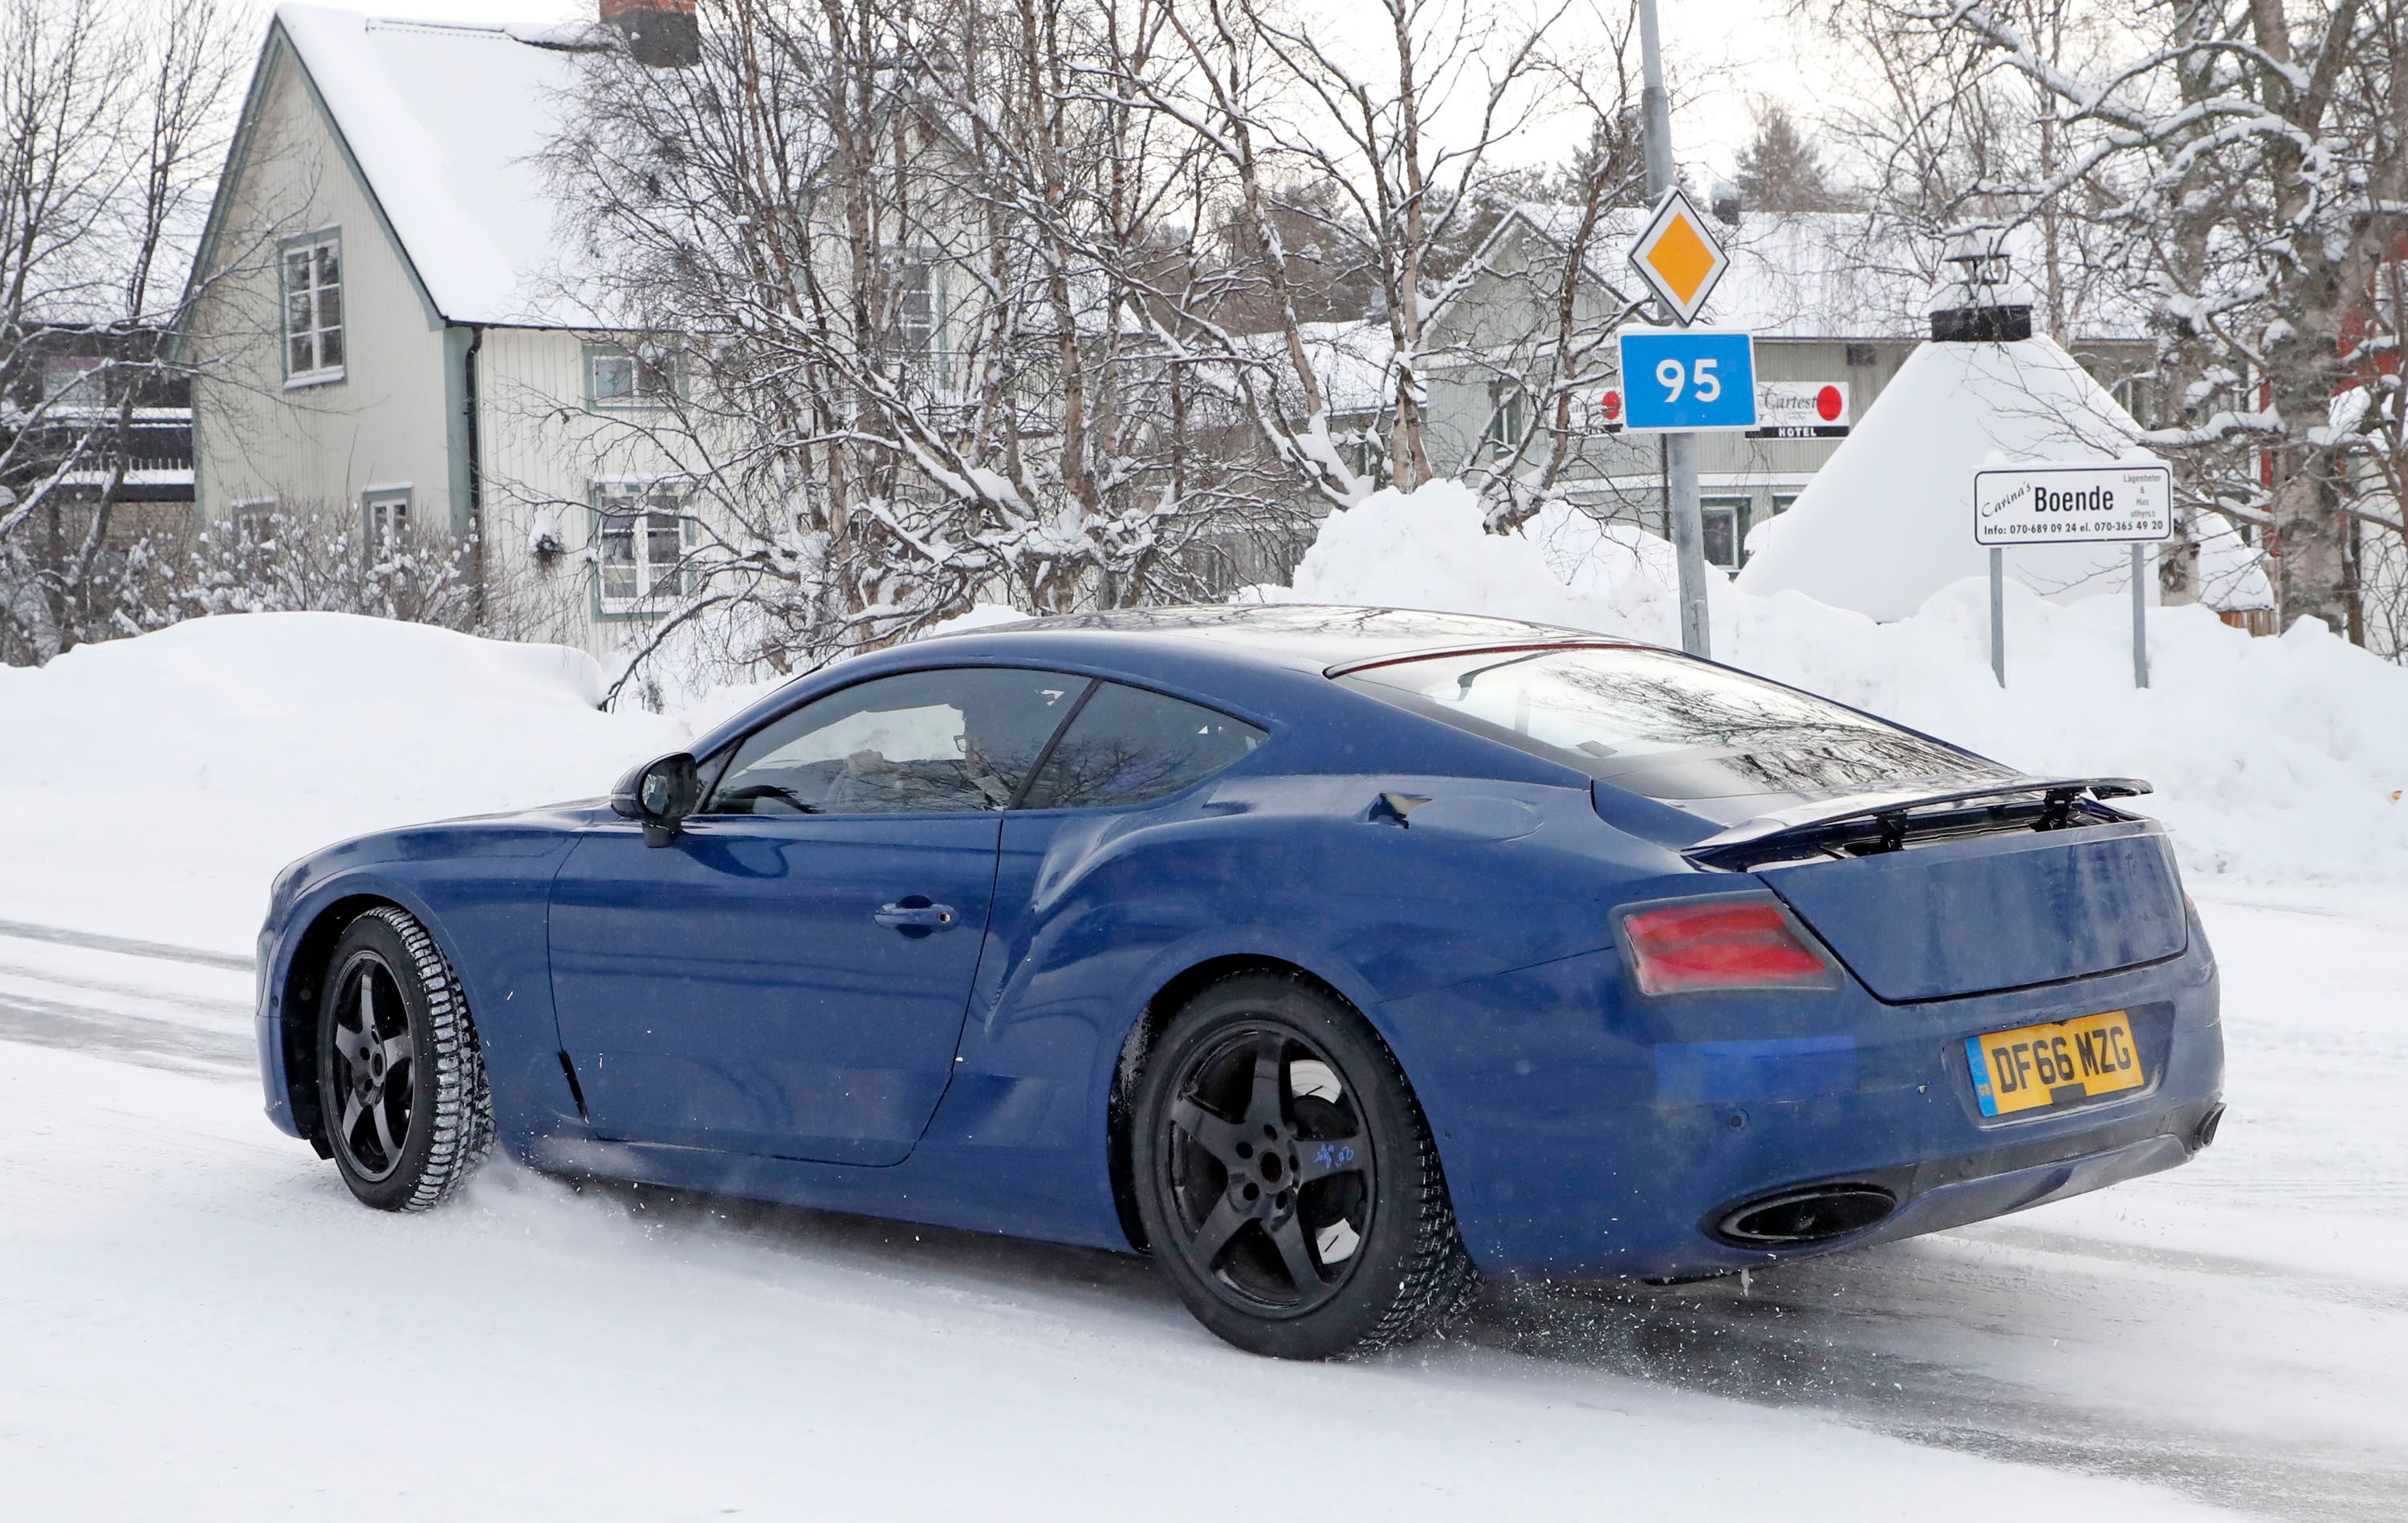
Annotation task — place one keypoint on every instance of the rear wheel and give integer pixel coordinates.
(1286, 1179)
(401, 1083)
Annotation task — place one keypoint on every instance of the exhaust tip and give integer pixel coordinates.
(1813, 1214)
(2207, 1126)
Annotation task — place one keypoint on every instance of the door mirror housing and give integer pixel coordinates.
(660, 793)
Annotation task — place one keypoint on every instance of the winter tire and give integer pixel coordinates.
(401, 1083)
(1286, 1179)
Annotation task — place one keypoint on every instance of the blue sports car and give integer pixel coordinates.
(1331, 956)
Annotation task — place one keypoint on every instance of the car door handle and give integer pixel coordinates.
(915, 915)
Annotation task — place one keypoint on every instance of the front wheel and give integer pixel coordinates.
(401, 1083)
(1286, 1179)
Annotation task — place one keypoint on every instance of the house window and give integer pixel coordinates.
(2132, 394)
(1726, 529)
(915, 307)
(387, 512)
(254, 519)
(1364, 452)
(1860, 355)
(1508, 421)
(618, 378)
(72, 377)
(640, 536)
(313, 310)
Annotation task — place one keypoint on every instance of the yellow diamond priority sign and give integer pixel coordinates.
(1678, 256)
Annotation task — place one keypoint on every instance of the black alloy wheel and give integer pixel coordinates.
(1286, 1179)
(374, 1067)
(1270, 1171)
(401, 1082)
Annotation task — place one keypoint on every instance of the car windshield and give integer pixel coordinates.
(1664, 725)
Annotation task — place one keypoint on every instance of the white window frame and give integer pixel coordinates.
(1741, 509)
(1508, 421)
(643, 504)
(317, 295)
(919, 306)
(386, 518)
(651, 381)
(250, 518)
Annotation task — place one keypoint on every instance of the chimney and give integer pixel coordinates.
(661, 34)
(1726, 203)
(1982, 311)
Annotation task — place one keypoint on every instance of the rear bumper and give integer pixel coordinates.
(1952, 1192)
(1982, 1197)
(1586, 1133)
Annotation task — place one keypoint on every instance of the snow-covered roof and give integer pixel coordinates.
(1352, 360)
(446, 122)
(1812, 275)
(1355, 363)
(1888, 521)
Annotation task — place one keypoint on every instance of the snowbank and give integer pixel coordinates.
(1885, 525)
(155, 785)
(2275, 759)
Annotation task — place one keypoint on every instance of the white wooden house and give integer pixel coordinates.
(387, 324)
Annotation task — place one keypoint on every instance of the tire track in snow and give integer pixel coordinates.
(1868, 1343)
(126, 945)
(134, 1039)
(123, 1017)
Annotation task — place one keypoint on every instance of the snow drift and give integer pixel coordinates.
(1885, 523)
(156, 784)
(2275, 759)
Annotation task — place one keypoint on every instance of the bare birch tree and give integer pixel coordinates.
(2244, 157)
(916, 260)
(114, 127)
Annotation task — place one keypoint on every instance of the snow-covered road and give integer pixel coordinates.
(195, 1321)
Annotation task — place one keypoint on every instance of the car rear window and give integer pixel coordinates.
(1664, 725)
(1126, 745)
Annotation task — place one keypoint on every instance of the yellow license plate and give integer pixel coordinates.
(2036, 1066)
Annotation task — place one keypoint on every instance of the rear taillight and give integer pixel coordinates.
(1722, 944)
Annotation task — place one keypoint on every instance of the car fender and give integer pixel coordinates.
(485, 910)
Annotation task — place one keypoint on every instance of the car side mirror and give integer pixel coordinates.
(661, 793)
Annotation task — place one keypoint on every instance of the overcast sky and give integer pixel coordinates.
(1723, 54)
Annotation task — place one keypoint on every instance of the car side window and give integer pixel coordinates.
(952, 739)
(1128, 746)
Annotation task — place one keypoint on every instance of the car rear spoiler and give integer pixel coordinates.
(1867, 823)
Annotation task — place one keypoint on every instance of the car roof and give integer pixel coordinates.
(1322, 637)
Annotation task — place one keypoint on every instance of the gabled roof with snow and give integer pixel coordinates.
(1805, 275)
(445, 123)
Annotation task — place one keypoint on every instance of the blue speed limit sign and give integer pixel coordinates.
(1688, 381)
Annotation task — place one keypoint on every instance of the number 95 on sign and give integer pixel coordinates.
(1688, 381)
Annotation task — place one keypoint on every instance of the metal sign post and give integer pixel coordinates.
(1680, 449)
(1999, 615)
(2111, 503)
(2140, 620)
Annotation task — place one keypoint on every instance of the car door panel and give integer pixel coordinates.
(741, 990)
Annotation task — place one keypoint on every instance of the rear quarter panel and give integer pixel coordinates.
(1096, 912)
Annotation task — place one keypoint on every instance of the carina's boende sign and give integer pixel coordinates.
(2073, 505)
